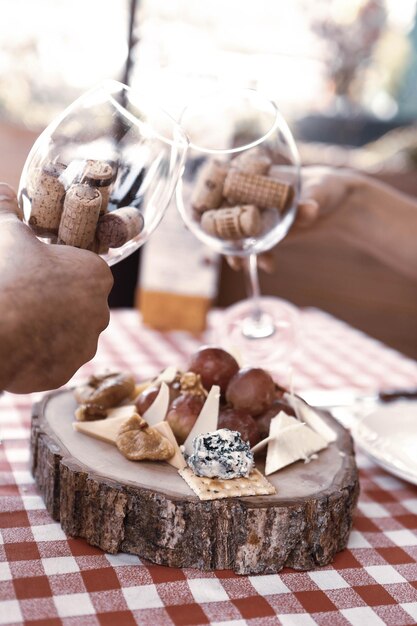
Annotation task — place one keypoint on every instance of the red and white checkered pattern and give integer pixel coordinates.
(48, 579)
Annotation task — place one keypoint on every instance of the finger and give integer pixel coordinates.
(8, 201)
(266, 262)
(308, 211)
(235, 262)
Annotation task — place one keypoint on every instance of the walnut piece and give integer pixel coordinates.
(138, 442)
(191, 383)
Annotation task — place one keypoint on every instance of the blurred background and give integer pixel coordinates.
(344, 73)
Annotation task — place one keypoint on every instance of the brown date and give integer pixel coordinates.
(215, 366)
(242, 421)
(183, 413)
(251, 389)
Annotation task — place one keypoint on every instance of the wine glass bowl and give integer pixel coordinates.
(241, 183)
(102, 174)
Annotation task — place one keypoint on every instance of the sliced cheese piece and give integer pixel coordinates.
(166, 376)
(104, 430)
(292, 441)
(261, 445)
(177, 460)
(159, 407)
(307, 414)
(126, 411)
(207, 420)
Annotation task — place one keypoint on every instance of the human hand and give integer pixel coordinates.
(324, 189)
(53, 301)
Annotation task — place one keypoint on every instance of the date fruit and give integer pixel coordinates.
(251, 389)
(215, 366)
(242, 421)
(182, 414)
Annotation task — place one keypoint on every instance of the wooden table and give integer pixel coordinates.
(49, 579)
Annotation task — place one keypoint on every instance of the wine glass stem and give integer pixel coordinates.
(252, 285)
(259, 324)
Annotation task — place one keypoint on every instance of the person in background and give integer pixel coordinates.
(53, 305)
(358, 210)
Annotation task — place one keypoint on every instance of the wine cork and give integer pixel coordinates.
(97, 247)
(99, 174)
(255, 189)
(118, 227)
(208, 191)
(47, 200)
(232, 223)
(80, 216)
(252, 162)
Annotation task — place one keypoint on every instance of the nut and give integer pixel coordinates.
(138, 442)
(191, 383)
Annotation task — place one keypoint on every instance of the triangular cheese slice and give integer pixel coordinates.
(126, 411)
(177, 460)
(292, 441)
(104, 430)
(307, 414)
(167, 375)
(159, 407)
(207, 420)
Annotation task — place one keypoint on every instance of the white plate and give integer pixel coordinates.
(389, 436)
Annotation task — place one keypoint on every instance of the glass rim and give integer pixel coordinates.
(110, 85)
(278, 121)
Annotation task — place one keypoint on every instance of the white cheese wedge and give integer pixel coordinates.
(126, 411)
(167, 375)
(307, 414)
(207, 420)
(291, 441)
(159, 407)
(104, 430)
(177, 460)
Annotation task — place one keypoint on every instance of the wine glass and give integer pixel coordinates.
(239, 194)
(102, 173)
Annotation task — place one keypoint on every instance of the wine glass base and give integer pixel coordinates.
(259, 327)
(271, 351)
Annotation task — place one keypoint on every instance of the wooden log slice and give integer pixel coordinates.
(147, 509)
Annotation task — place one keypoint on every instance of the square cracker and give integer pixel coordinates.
(214, 488)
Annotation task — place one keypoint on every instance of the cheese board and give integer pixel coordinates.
(146, 508)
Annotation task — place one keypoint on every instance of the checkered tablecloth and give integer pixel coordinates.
(49, 579)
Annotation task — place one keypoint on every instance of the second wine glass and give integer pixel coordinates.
(240, 187)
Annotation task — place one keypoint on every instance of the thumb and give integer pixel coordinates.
(8, 202)
(308, 211)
